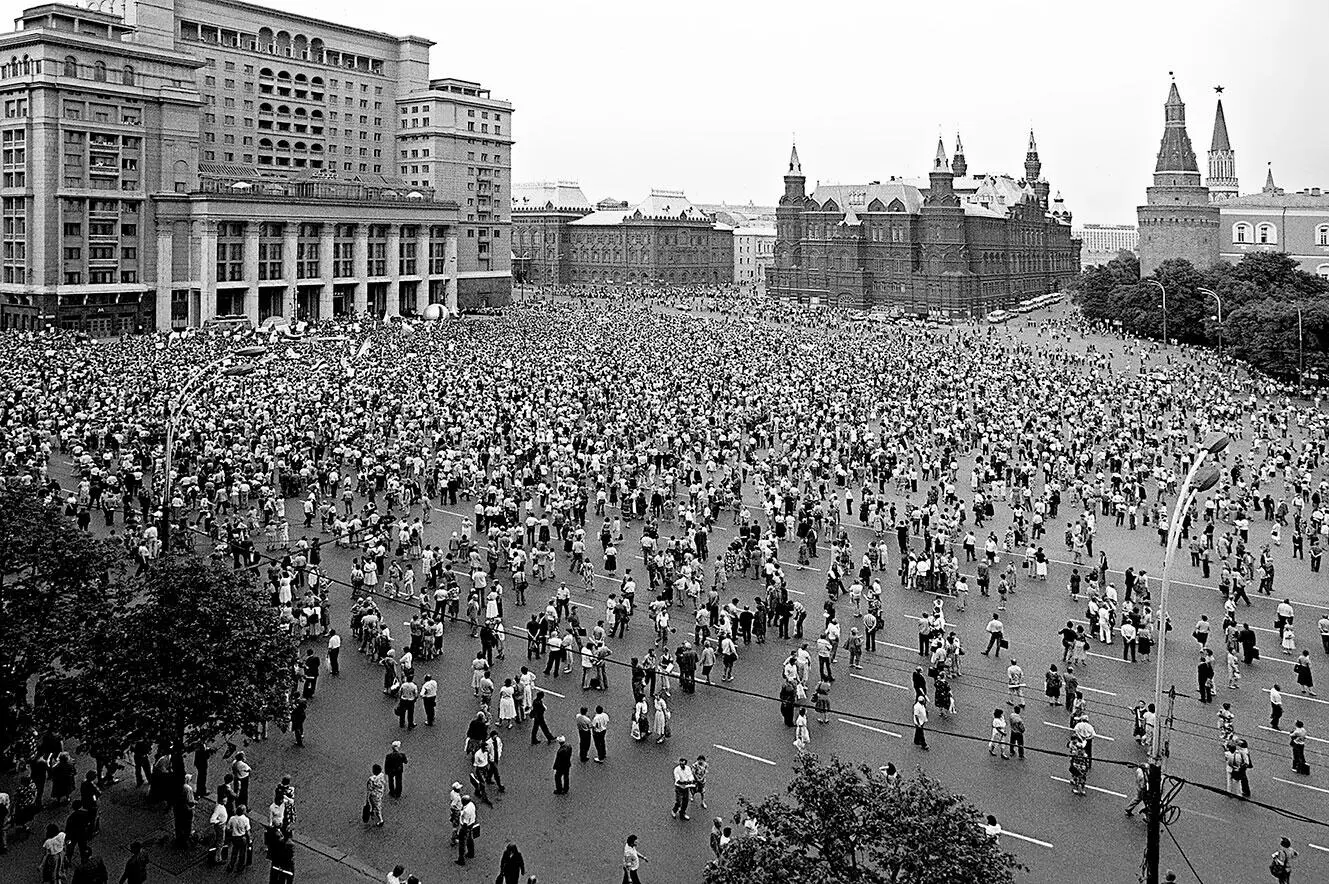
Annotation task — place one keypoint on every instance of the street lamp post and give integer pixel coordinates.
(1301, 355)
(1164, 291)
(1213, 294)
(208, 374)
(1201, 477)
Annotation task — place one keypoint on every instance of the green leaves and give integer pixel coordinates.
(846, 825)
(192, 652)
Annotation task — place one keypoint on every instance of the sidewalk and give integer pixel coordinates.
(125, 818)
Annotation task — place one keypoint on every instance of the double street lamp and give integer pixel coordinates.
(1202, 476)
(1213, 294)
(1164, 291)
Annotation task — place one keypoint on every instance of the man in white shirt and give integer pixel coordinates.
(920, 721)
(429, 694)
(684, 782)
(631, 861)
(466, 831)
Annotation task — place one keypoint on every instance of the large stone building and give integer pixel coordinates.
(201, 158)
(558, 238)
(958, 244)
(1100, 243)
(1178, 219)
(1206, 224)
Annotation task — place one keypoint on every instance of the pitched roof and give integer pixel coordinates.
(1220, 141)
(860, 196)
(536, 195)
(668, 204)
(1175, 153)
(601, 218)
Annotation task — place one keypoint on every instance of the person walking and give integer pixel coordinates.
(511, 866)
(1298, 743)
(1141, 791)
(1275, 706)
(1305, 678)
(998, 738)
(701, 768)
(562, 766)
(996, 635)
(920, 721)
(375, 786)
(684, 782)
(1280, 864)
(394, 765)
(407, 694)
(429, 696)
(299, 712)
(632, 860)
(538, 723)
(583, 735)
(1015, 723)
(801, 735)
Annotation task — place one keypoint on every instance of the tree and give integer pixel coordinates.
(53, 581)
(847, 825)
(191, 652)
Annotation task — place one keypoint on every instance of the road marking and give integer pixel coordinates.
(1097, 691)
(1301, 697)
(1027, 838)
(1265, 727)
(1106, 657)
(1095, 788)
(1065, 728)
(1218, 819)
(724, 748)
(900, 647)
(868, 727)
(547, 691)
(888, 684)
(1316, 846)
(1302, 785)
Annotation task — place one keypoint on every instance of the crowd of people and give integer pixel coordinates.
(547, 478)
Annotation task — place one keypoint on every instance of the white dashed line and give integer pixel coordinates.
(868, 727)
(724, 748)
(888, 684)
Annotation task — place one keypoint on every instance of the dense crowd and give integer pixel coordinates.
(689, 462)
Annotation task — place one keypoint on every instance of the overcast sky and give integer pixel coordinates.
(703, 95)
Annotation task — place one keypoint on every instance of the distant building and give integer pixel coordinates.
(754, 252)
(749, 215)
(1100, 243)
(664, 239)
(957, 243)
(1178, 219)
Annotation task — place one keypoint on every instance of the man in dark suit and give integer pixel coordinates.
(562, 765)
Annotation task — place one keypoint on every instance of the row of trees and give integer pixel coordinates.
(843, 824)
(189, 652)
(1261, 295)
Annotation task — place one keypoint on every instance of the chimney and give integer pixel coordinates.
(1315, 191)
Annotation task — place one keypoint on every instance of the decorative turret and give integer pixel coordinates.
(1178, 219)
(794, 182)
(1269, 186)
(958, 165)
(1033, 168)
(1222, 180)
(942, 178)
(1059, 210)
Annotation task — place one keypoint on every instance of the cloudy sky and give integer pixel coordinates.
(703, 95)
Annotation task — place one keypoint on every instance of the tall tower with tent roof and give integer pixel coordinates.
(1222, 180)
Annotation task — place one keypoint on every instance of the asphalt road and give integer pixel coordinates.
(1057, 835)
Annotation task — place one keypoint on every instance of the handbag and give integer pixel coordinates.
(475, 830)
(364, 813)
(1276, 867)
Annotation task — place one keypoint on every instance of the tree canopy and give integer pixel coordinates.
(1260, 294)
(190, 652)
(845, 824)
(54, 582)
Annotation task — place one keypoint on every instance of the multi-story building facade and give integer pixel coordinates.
(1178, 219)
(1100, 243)
(959, 244)
(664, 239)
(541, 238)
(754, 252)
(1274, 221)
(457, 139)
(201, 158)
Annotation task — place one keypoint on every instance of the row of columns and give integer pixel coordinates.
(203, 251)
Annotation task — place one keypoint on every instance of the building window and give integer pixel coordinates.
(1322, 235)
(127, 75)
(71, 66)
(99, 72)
(1322, 271)
(1266, 234)
(1241, 232)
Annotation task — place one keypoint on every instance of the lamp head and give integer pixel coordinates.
(240, 370)
(249, 352)
(1206, 478)
(1215, 442)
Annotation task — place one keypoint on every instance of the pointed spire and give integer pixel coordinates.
(959, 148)
(941, 162)
(794, 167)
(1175, 154)
(1033, 145)
(1220, 140)
(1269, 186)
(958, 164)
(1173, 96)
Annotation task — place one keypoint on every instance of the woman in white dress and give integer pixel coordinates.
(507, 704)
(801, 736)
(661, 724)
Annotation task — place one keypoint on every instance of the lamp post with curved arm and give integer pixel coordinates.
(1213, 294)
(1201, 477)
(1164, 291)
(208, 374)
